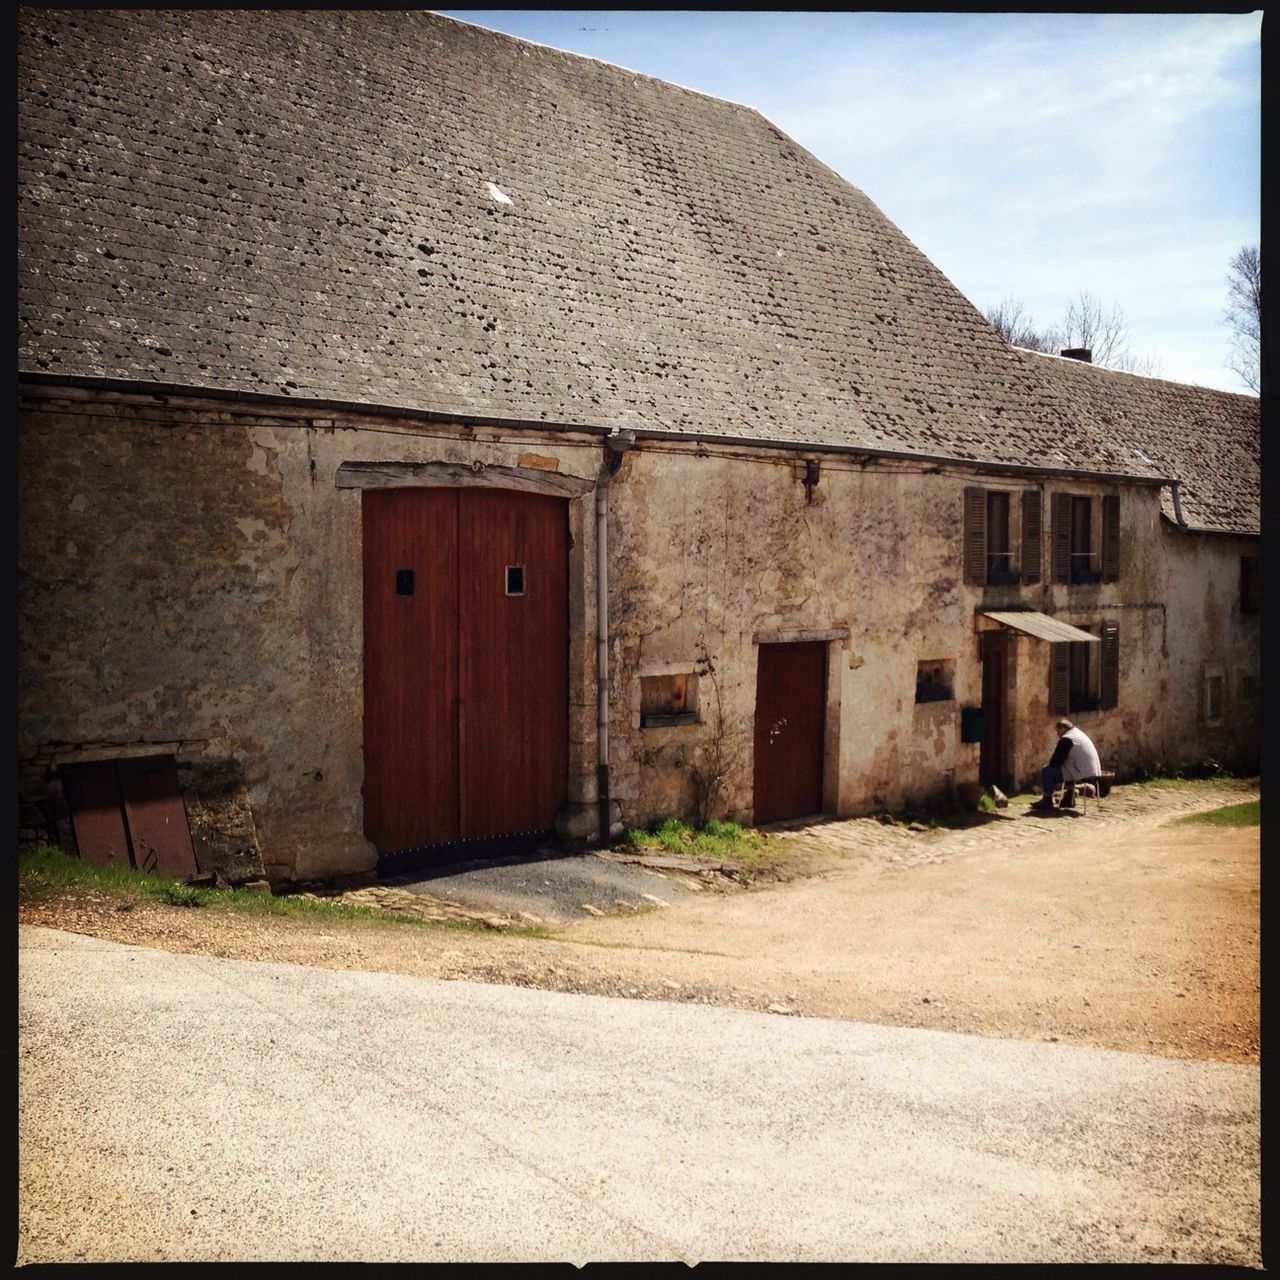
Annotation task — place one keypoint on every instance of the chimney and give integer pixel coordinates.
(1078, 353)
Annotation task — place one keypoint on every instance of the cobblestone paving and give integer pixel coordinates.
(1014, 827)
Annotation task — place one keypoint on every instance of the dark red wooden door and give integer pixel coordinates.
(791, 697)
(410, 667)
(513, 604)
(466, 664)
(993, 760)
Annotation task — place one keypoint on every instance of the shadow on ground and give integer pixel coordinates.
(551, 885)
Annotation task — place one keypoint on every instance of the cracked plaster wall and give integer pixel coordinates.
(190, 575)
(193, 576)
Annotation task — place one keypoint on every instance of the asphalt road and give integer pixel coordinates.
(177, 1107)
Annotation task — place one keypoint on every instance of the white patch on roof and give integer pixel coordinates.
(1144, 457)
(497, 193)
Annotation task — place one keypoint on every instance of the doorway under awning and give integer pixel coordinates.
(1040, 625)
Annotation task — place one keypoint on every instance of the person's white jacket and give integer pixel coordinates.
(1082, 760)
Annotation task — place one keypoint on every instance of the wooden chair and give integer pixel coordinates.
(1095, 788)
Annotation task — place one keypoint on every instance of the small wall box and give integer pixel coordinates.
(973, 724)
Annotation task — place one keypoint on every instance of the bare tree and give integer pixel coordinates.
(1244, 314)
(1017, 327)
(1086, 323)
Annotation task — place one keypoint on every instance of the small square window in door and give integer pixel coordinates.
(515, 579)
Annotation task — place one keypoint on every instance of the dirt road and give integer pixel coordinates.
(1115, 929)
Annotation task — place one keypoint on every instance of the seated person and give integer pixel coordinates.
(1074, 758)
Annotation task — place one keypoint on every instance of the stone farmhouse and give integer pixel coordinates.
(429, 437)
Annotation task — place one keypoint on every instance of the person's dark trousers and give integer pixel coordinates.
(1050, 776)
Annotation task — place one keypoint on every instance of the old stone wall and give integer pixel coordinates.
(712, 553)
(190, 574)
(1209, 635)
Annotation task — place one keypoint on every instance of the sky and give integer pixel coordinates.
(1029, 156)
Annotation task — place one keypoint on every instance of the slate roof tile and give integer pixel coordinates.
(1210, 440)
(313, 187)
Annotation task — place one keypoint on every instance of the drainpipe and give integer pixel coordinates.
(1174, 486)
(616, 444)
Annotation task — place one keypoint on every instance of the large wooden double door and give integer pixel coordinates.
(466, 643)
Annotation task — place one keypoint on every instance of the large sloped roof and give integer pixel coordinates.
(1209, 440)
(400, 209)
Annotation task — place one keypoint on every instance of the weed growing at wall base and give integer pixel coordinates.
(713, 839)
(46, 871)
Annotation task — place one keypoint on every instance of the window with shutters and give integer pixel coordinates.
(994, 525)
(1084, 676)
(1085, 548)
(1082, 540)
(999, 558)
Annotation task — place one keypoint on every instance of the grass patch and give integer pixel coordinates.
(46, 871)
(1246, 814)
(714, 839)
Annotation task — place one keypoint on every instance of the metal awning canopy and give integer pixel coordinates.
(1039, 625)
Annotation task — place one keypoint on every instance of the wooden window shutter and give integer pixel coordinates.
(1059, 679)
(1110, 682)
(1111, 538)
(1061, 514)
(975, 535)
(1031, 531)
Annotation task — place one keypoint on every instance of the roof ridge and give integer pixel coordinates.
(603, 62)
(1134, 373)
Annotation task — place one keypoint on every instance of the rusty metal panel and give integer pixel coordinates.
(791, 695)
(410, 561)
(513, 683)
(97, 817)
(156, 815)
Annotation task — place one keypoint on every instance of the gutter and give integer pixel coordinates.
(1175, 487)
(867, 452)
(616, 444)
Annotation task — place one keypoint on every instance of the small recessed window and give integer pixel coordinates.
(1215, 688)
(515, 579)
(934, 680)
(404, 582)
(668, 700)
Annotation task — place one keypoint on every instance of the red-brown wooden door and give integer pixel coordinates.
(993, 755)
(791, 697)
(466, 664)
